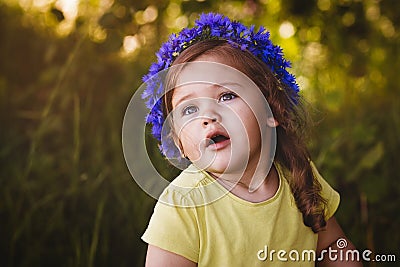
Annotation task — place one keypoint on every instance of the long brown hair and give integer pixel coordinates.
(291, 151)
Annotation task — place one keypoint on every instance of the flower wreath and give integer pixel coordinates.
(211, 26)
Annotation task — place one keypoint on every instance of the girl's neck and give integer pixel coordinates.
(266, 186)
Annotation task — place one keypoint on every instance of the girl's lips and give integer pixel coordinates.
(217, 139)
(219, 145)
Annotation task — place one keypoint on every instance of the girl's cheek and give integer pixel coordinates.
(189, 143)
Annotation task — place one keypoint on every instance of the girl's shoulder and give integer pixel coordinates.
(327, 192)
(191, 177)
(191, 188)
(331, 196)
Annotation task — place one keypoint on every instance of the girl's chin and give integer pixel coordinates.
(221, 162)
(217, 165)
(213, 168)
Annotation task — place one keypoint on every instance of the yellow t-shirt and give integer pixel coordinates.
(231, 231)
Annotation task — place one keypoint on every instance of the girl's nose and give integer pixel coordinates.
(206, 121)
(210, 113)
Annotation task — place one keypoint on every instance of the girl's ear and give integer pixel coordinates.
(271, 122)
(178, 144)
(174, 136)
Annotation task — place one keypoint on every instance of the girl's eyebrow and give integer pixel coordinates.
(219, 85)
(183, 98)
(227, 84)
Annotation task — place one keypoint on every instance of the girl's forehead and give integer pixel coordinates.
(211, 72)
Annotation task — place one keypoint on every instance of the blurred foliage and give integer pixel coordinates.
(69, 68)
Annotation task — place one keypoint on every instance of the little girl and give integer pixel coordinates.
(251, 196)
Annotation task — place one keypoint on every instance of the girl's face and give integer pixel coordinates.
(219, 117)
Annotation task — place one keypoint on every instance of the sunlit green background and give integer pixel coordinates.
(69, 67)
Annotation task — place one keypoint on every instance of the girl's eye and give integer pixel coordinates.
(189, 110)
(227, 97)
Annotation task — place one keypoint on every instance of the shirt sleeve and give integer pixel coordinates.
(331, 196)
(174, 229)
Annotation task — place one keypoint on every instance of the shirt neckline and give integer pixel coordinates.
(246, 202)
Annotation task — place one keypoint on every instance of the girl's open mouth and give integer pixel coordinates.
(218, 141)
